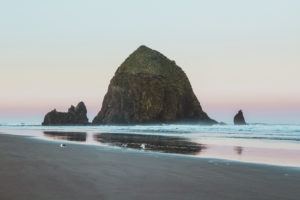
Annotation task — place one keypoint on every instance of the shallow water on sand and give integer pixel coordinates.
(261, 143)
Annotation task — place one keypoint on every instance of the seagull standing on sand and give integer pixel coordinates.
(62, 145)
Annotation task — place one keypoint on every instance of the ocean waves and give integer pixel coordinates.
(253, 131)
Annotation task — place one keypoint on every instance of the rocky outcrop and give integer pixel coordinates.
(74, 116)
(239, 118)
(150, 88)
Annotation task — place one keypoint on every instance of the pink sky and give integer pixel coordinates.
(237, 54)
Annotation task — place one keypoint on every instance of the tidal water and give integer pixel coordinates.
(259, 143)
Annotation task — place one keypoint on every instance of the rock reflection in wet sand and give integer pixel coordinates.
(71, 136)
(166, 144)
(239, 150)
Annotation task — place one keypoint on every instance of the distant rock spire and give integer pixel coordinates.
(239, 118)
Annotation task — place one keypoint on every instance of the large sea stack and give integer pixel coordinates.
(150, 88)
(74, 116)
(239, 118)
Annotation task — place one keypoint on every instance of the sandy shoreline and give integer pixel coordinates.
(37, 169)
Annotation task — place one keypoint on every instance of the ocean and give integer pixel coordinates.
(274, 144)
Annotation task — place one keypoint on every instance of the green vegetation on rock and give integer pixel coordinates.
(150, 88)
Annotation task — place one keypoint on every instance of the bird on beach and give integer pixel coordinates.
(143, 146)
(62, 145)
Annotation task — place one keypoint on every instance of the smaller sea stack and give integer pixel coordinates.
(239, 118)
(74, 116)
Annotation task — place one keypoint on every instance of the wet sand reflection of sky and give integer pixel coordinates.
(180, 145)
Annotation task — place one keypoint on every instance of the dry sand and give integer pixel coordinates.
(37, 169)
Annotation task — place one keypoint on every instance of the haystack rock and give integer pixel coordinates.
(239, 118)
(74, 116)
(150, 88)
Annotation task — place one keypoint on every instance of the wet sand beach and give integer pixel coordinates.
(36, 169)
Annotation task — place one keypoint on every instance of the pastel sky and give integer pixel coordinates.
(237, 54)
